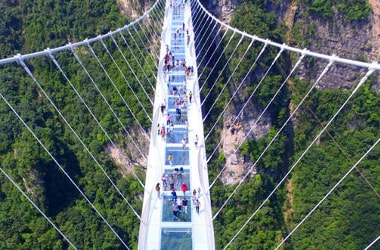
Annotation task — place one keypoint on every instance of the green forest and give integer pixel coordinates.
(348, 219)
(54, 107)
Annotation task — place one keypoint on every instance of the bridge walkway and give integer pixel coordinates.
(180, 121)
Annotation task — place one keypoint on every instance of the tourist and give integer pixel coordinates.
(164, 181)
(184, 205)
(196, 139)
(158, 190)
(184, 188)
(197, 204)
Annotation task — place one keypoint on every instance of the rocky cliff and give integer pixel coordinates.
(353, 40)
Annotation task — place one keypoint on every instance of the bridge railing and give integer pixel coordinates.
(69, 46)
(334, 58)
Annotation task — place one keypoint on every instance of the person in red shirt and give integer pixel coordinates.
(184, 188)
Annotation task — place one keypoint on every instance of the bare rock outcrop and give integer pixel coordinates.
(233, 135)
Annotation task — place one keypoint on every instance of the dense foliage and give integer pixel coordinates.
(28, 26)
(347, 220)
(338, 222)
(351, 10)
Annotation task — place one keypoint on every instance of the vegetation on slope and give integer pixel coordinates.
(338, 222)
(351, 10)
(29, 26)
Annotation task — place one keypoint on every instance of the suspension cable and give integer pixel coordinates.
(217, 61)
(61, 168)
(209, 47)
(196, 16)
(211, 33)
(72, 130)
(373, 65)
(203, 31)
(372, 243)
(78, 44)
(147, 39)
(93, 115)
(147, 50)
(278, 132)
(221, 71)
(106, 101)
(213, 53)
(32, 202)
(249, 98)
(125, 79)
(224, 86)
(137, 61)
(364, 78)
(153, 37)
(142, 55)
(329, 192)
(133, 72)
(229, 101)
(117, 90)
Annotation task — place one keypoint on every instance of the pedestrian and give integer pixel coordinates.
(164, 181)
(175, 90)
(163, 106)
(179, 112)
(184, 188)
(158, 190)
(183, 143)
(175, 173)
(158, 129)
(175, 210)
(174, 195)
(170, 159)
(184, 205)
(163, 131)
(168, 118)
(196, 140)
(197, 204)
(179, 203)
(171, 128)
(171, 182)
(179, 180)
(190, 96)
(194, 196)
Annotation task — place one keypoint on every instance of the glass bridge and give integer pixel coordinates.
(173, 153)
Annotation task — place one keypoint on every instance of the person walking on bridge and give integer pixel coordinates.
(158, 190)
(197, 204)
(184, 188)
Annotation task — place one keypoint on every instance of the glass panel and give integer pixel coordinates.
(179, 155)
(176, 238)
(168, 213)
(178, 180)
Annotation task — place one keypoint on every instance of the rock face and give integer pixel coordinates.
(359, 41)
(235, 132)
(126, 9)
(222, 9)
(352, 40)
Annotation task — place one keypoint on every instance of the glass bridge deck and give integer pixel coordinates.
(166, 226)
